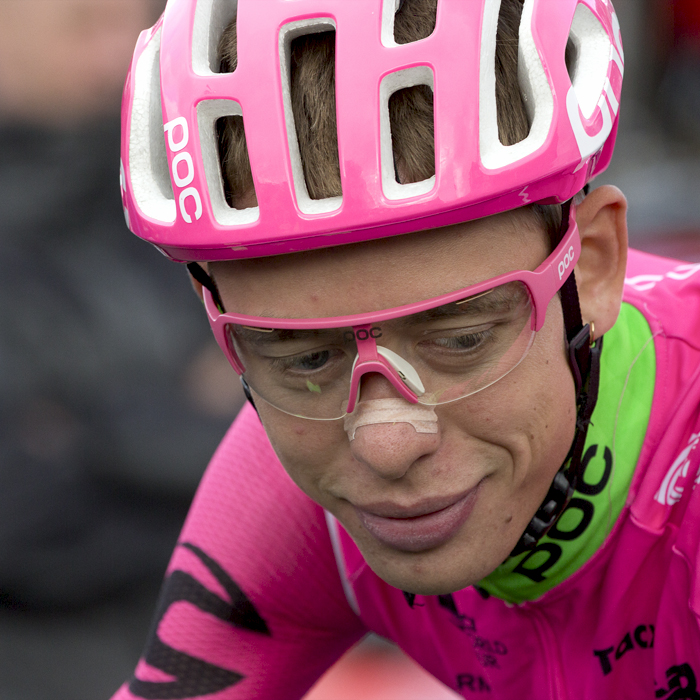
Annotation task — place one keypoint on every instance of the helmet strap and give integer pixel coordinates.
(199, 274)
(584, 360)
(248, 394)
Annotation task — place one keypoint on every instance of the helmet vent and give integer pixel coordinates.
(513, 120)
(148, 161)
(498, 147)
(234, 161)
(402, 178)
(572, 59)
(406, 21)
(592, 49)
(312, 132)
(411, 117)
(226, 162)
(211, 20)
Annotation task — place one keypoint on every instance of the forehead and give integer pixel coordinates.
(381, 274)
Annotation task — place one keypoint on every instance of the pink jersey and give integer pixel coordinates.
(264, 592)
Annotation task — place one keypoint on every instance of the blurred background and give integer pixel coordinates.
(113, 396)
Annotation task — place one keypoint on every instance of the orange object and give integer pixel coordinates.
(377, 670)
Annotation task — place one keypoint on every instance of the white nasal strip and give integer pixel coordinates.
(422, 418)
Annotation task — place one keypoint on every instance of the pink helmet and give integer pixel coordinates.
(171, 180)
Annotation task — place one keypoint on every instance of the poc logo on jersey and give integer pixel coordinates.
(565, 264)
(182, 168)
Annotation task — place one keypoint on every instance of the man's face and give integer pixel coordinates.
(431, 513)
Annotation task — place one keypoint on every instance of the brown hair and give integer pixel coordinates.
(410, 109)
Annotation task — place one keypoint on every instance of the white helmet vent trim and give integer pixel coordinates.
(148, 161)
(287, 34)
(409, 77)
(211, 18)
(208, 112)
(389, 10)
(593, 48)
(534, 85)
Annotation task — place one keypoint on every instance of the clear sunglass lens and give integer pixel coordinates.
(302, 372)
(456, 350)
(469, 345)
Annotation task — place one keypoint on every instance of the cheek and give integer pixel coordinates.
(531, 413)
(308, 450)
(551, 419)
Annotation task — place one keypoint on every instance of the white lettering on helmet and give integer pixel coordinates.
(190, 192)
(186, 158)
(588, 145)
(608, 103)
(169, 129)
(178, 137)
(565, 264)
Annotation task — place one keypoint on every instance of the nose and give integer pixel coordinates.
(399, 434)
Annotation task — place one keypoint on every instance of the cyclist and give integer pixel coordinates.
(473, 421)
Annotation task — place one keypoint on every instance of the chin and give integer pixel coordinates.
(429, 584)
(437, 572)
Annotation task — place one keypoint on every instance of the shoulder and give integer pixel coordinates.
(667, 292)
(245, 481)
(253, 521)
(252, 604)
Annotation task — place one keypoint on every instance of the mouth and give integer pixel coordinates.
(421, 527)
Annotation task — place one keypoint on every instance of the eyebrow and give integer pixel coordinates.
(495, 300)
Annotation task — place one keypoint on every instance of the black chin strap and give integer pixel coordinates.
(199, 274)
(584, 359)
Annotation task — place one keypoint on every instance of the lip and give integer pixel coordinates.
(421, 527)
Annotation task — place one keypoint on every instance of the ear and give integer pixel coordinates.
(600, 272)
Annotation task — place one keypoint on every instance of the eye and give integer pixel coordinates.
(309, 361)
(312, 361)
(462, 341)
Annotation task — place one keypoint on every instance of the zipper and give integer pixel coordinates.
(554, 667)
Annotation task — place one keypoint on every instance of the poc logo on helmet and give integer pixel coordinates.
(565, 264)
(182, 167)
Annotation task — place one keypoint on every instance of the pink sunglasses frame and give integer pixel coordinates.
(542, 284)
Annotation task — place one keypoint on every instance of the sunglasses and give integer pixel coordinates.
(433, 352)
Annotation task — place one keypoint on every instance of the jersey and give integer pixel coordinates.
(265, 590)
